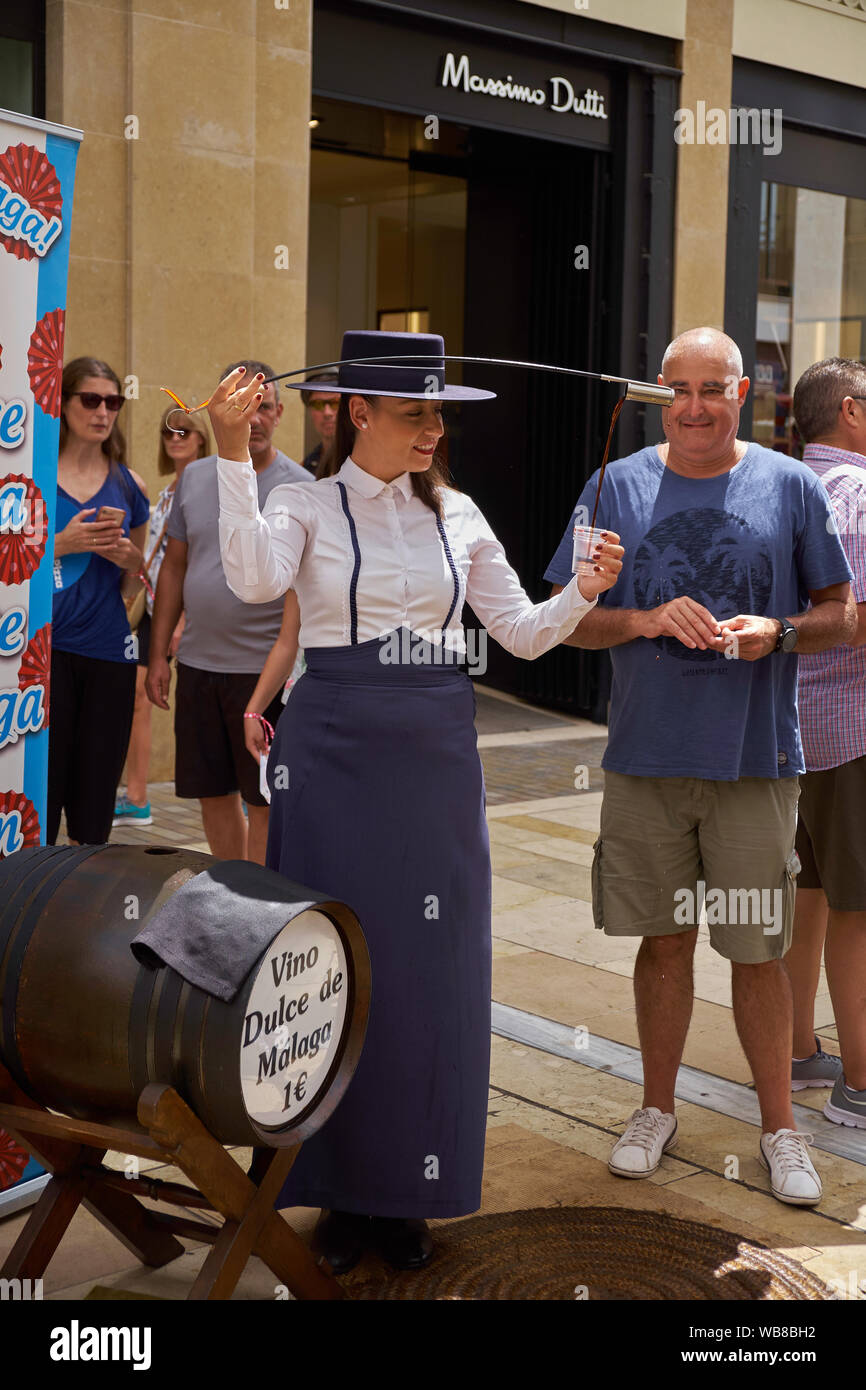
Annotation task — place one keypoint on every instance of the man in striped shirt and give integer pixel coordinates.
(830, 410)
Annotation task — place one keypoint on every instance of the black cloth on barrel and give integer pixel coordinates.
(214, 929)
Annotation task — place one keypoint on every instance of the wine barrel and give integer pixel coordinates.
(84, 1028)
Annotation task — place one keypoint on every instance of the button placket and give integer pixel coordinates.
(404, 555)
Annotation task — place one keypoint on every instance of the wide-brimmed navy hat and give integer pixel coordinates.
(422, 379)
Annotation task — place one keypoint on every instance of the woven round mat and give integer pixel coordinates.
(594, 1253)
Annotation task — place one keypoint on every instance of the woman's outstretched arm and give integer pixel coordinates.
(524, 628)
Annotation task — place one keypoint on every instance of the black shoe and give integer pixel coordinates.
(342, 1237)
(404, 1243)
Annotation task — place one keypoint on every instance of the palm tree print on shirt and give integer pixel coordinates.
(712, 556)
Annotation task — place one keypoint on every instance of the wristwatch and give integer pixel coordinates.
(787, 639)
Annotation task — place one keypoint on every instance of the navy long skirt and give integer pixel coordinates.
(385, 811)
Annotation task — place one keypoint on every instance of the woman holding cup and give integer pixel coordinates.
(385, 803)
(102, 514)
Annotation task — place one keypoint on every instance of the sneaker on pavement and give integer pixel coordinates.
(818, 1070)
(792, 1175)
(127, 813)
(846, 1106)
(648, 1134)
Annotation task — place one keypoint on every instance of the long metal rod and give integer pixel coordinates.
(647, 391)
(429, 357)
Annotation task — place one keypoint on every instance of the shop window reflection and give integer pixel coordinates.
(811, 298)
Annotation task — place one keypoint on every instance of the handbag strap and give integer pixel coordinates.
(149, 561)
(144, 572)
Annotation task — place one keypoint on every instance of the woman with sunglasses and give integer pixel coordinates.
(384, 806)
(188, 439)
(102, 513)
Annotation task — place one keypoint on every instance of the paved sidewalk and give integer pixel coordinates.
(564, 1034)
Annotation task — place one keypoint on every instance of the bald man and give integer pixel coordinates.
(732, 566)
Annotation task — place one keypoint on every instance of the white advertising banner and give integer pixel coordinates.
(37, 173)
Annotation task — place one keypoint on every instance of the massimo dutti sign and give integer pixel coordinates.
(557, 95)
(430, 69)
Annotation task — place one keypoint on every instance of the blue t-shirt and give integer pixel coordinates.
(754, 540)
(89, 616)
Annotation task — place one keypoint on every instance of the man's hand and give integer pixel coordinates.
(158, 681)
(748, 637)
(686, 620)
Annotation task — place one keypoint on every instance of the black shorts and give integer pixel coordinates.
(830, 834)
(211, 758)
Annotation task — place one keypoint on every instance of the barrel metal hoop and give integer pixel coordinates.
(186, 993)
(73, 857)
(139, 1009)
(29, 872)
(189, 1072)
(163, 1041)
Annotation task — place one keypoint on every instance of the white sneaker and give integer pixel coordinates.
(638, 1153)
(792, 1176)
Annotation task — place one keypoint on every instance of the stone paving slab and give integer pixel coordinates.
(495, 714)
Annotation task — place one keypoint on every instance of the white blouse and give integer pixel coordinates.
(304, 541)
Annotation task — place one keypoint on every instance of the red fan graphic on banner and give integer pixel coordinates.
(21, 550)
(45, 361)
(26, 171)
(13, 1160)
(35, 668)
(16, 801)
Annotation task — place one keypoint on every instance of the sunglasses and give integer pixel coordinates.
(319, 406)
(168, 433)
(91, 400)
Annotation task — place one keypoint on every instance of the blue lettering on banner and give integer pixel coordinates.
(12, 637)
(12, 417)
(20, 220)
(21, 712)
(11, 838)
(13, 511)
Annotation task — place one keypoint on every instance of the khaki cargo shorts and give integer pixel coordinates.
(672, 848)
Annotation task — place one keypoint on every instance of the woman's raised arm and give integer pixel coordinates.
(260, 553)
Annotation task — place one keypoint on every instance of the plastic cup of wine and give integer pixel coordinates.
(587, 541)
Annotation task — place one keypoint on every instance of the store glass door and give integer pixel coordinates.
(811, 298)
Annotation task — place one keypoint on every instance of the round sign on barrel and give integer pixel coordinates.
(85, 1026)
(294, 1023)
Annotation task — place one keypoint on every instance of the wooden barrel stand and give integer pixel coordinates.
(72, 1150)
